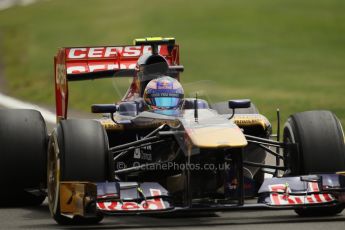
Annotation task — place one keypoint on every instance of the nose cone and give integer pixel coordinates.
(217, 137)
(212, 130)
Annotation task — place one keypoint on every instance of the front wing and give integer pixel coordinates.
(111, 198)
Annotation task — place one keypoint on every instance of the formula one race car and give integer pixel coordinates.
(158, 152)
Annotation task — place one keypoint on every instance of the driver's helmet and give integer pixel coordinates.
(163, 93)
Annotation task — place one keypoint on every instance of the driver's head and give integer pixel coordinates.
(163, 93)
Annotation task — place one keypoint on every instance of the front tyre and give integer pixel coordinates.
(321, 149)
(77, 151)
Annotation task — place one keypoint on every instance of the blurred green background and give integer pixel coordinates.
(281, 54)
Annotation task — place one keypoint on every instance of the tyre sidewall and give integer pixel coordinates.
(63, 139)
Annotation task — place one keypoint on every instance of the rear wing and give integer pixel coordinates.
(87, 63)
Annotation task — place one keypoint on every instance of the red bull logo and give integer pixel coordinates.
(164, 85)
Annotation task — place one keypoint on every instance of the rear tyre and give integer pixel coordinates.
(321, 149)
(23, 141)
(77, 151)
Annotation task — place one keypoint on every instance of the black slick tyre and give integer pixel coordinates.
(78, 151)
(320, 149)
(23, 143)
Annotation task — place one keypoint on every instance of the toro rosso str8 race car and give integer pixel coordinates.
(157, 151)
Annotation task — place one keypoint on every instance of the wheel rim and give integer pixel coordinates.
(53, 174)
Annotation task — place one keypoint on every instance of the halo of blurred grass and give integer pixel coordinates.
(287, 54)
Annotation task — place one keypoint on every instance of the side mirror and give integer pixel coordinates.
(239, 104)
(103, 108)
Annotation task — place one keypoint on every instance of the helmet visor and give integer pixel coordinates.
(166, 102)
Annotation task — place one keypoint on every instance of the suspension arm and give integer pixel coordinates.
(134, 143)
(271, 151)
(265, 141)
(249, 163)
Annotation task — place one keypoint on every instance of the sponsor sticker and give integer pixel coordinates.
(149, 204)
(280, 194)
